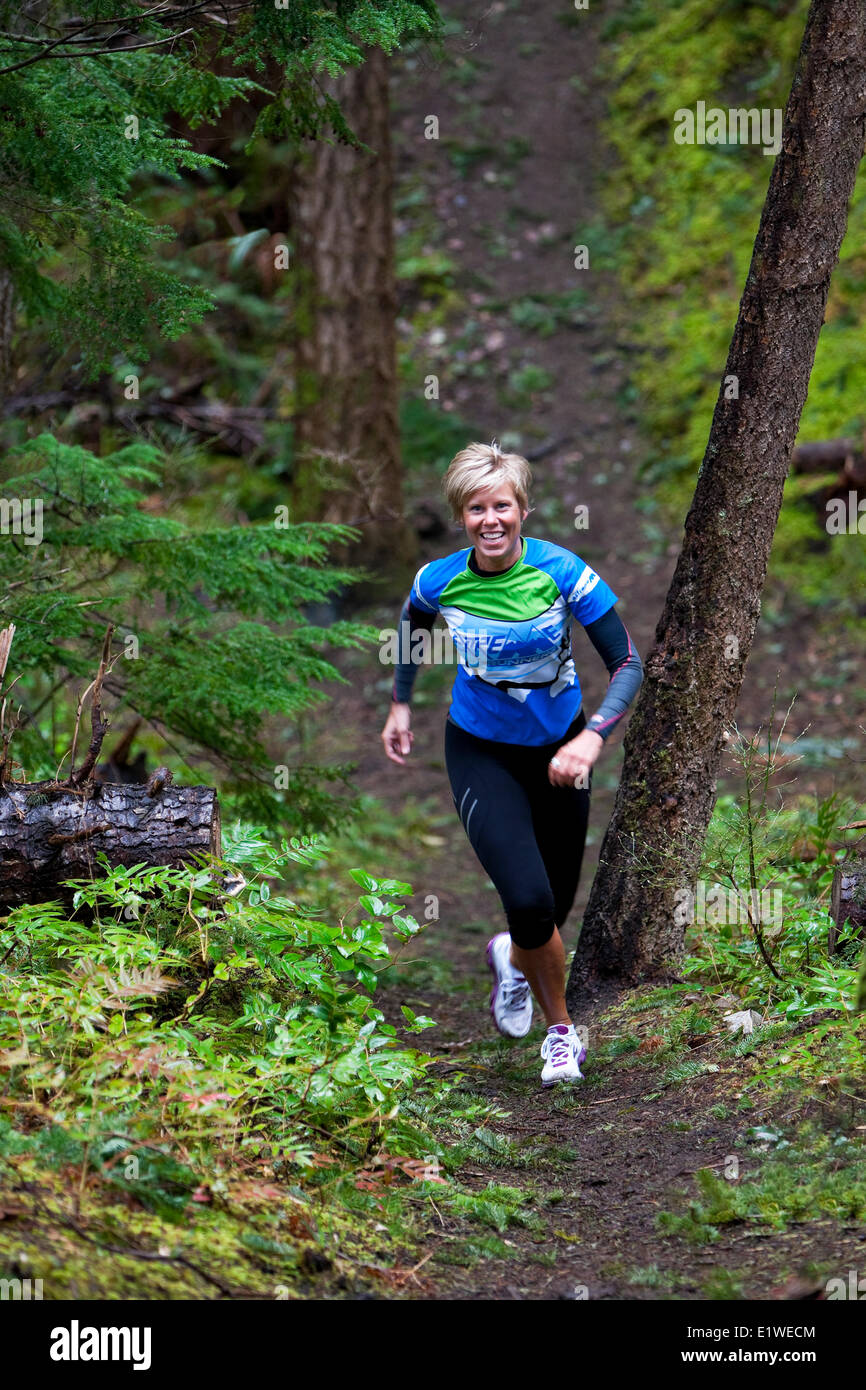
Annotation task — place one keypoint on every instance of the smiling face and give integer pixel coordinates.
(493, 517)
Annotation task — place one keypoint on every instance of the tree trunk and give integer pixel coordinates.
(631, 931)
(847, 901)
(48, 835)
(348, 464)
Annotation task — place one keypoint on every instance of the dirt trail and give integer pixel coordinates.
(512, 243)
(601, 1161)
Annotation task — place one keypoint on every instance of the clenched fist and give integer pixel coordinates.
(572, 763)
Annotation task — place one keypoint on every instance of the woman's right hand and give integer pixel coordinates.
(397, 737)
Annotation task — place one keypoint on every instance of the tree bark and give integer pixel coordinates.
(348, 464)
(48, 834)
(631, 931)
(847, 901)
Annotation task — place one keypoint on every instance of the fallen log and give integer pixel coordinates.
(239, 427)
(53, 831)
(847, 900)
(49, 833)
(826, 454)
(822, 454)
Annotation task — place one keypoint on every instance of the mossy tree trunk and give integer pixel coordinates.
(631, 931)
(348, 464)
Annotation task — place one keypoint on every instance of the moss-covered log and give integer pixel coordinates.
(49, 833)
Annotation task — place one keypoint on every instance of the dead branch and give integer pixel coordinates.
(98, 721)
(6, 636)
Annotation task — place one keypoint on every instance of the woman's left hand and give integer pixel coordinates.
(571, 763)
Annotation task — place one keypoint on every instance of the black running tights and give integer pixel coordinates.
(528, 835)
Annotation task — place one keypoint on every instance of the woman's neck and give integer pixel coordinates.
(497, 564)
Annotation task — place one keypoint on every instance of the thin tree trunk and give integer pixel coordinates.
(348, 463)
(631, 931)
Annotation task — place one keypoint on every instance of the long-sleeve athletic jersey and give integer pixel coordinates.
(516, 681)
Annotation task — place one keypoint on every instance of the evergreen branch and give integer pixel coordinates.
(181, 12)
(89, 53)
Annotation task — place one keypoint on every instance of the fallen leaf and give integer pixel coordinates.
(745, 1021)
(16, 1057)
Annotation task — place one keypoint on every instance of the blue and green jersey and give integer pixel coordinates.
(516, 681)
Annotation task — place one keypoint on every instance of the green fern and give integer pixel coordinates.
(216, 619)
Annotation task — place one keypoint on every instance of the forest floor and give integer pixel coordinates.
(588, 1169)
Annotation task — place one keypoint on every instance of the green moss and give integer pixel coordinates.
(681, 221)
(817, 1175)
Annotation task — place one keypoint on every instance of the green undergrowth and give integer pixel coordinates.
(779, 1114)
(789, 1085)
(200, 1097)
(761, 945)
(769, 951)
(811, 1176)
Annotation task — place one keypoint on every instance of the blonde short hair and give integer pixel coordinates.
(481, 466)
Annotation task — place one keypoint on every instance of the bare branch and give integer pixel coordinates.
(91, 52)
(98, 721)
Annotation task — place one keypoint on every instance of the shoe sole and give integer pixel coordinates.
(492, 968)
(559, 1081)
(548, 1085)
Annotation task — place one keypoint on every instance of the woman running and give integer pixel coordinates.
(518, 748)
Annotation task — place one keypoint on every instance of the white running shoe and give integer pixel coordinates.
(510, 998)
(563, 1053)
